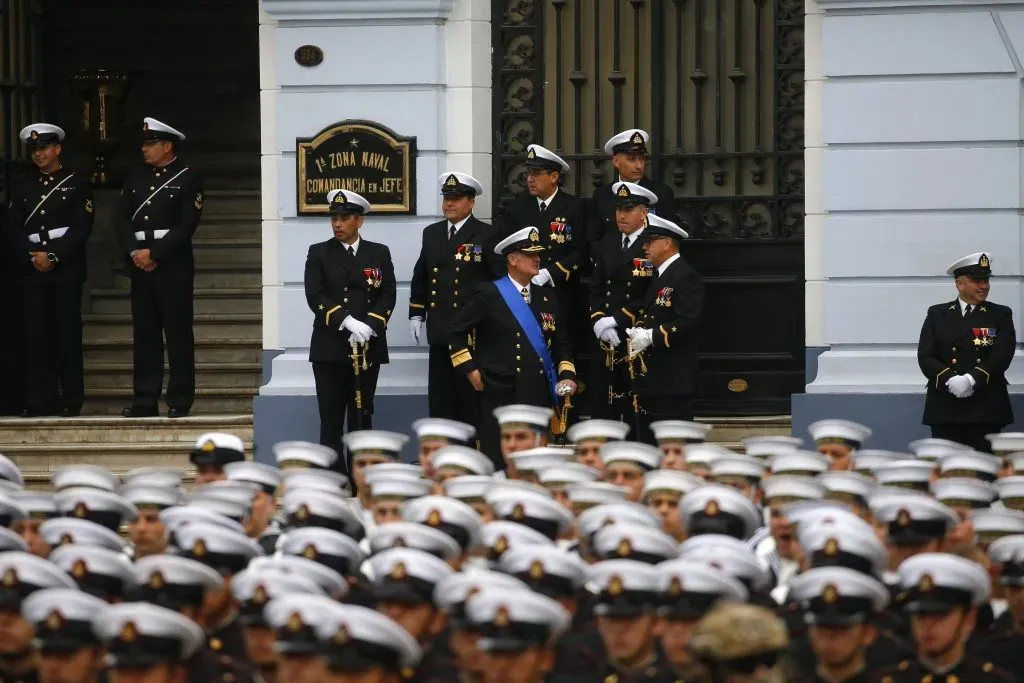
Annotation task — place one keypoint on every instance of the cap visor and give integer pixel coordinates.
(621, 610)
(398, 592)
(833, 620)
(503, 645)
(532, 249)
(929, 607)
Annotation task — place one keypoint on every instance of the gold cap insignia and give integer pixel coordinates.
(341, 636)
(259, 596)
(434, 518)
(129, 632)
(623, 191)
(625, 548)
(295, 622)
(501, 618)
(831, 594)
(615, 586)
(399, 542)
(398, 572)
(536, 570)
(55, 621)
(67, 539)
(532, 154)
(711, 509)
(518, 512)
(534, 235)
(156, 581)
(608, 521)
(675, 587)
(35, 135)
(831, 547)
(11, 578)
(199, 548)
(79, 569)
(310, 552)
(903, 518)
(501, 545)
(637, 139)
(302, 514)
(983, 261)
(81, 510)
(926, 584)
(452, 181)
(208, 446)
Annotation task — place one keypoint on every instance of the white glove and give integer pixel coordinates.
(961, 386)
(640, 338)
(361, 332)
(605, 323)
(542, 278)
(415, 328)
(611, 336)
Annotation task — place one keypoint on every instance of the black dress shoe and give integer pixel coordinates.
(70, 412)
(177, 412)
(138, 411)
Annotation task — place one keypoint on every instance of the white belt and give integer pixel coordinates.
(157, 234)
(34, 238)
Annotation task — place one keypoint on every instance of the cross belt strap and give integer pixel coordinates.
(45, 197)
(157, 191)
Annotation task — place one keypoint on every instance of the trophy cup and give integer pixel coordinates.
(101, 96)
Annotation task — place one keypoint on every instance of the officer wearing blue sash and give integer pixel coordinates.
(522, 352)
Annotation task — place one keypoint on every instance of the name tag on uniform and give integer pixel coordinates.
(374, 278)
(984, 336)
(664, 297)
(642, 268)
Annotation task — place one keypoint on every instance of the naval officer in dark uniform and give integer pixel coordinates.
(457, 254)
(48, 223)
(522, 353)
(628, 150)
(160, 207)
(965, 349)
(351, 289)
(669, 328)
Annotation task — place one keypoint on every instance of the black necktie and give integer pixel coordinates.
(351, 251)
(968, 309)
(625, 243)
(543, 207)
(451, 231)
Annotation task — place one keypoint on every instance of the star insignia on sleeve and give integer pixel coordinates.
(575, 267)
(321, 307)
(674, 329)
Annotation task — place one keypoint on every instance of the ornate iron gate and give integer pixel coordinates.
(719, 85)
(20, 56)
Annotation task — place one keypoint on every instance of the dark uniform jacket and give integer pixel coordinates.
(159, 210)
(337, 286)
(619, 285)
(672, 309)
(980, 345)
(502, 353)
(228, 647)
(51, 213)
(582, 658)
(447, 272)
(968, 670)
(601, 212)
(562, 228)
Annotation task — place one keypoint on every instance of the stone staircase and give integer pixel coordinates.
(228, 323)
(730, 431)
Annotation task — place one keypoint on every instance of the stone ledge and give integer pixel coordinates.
(938, 5)
(358, 10)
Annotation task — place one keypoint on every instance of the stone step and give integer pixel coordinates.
(205, 326)
(208, 375)
(228, 250)
(730, 431)
(212, 350)
(216, 275)
(118, 430)
(207, 301)
(229, 226)
(209, 401)
(240, 201)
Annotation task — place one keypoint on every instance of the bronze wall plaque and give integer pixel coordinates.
(309, 55)
(361, 156)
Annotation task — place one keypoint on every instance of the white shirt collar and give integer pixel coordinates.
(634, 235)
(518, 285)
(547, 202)
(458, 226)
(354, 245)
(668, 262)
(963, 305)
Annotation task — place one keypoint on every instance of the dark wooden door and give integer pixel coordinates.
(719, 86)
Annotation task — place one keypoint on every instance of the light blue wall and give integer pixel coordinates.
(919, 163)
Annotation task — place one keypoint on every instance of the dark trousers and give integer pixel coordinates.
(336, 401)
(969, 434)
(163, 309)
(51, 334)
(449, 394)
(11, 384)
(659, 408)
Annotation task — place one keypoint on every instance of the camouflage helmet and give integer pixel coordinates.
(733, 631)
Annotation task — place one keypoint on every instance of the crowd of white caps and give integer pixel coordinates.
(604, 515)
